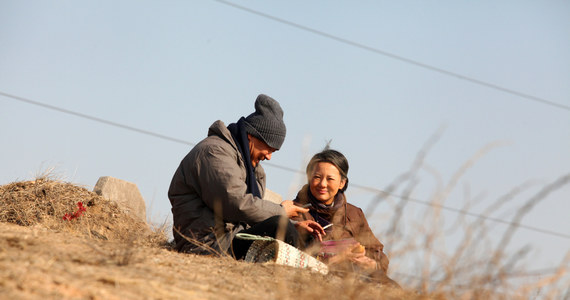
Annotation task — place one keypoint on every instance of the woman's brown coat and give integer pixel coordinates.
(348, 222)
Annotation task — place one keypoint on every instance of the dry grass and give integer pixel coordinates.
(45, 202)
(461, 260)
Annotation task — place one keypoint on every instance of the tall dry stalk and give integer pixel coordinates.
(479, 267)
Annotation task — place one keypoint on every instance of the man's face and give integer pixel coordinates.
(258, 150)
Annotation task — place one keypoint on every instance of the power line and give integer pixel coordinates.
(375, 190)
(73, 113)
(397, 57)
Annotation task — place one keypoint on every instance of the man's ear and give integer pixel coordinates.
(250, 141)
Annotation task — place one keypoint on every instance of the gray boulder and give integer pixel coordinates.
(125, 194)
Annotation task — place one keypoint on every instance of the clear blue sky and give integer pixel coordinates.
(174, 67)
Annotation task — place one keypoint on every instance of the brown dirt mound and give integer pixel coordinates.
(57, 205)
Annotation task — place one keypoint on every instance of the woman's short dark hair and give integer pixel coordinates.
(334, 157)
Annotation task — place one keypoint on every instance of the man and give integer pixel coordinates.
(217, 190)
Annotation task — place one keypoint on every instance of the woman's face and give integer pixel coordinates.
(325, 181)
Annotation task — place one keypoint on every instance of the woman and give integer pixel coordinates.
(343, 222)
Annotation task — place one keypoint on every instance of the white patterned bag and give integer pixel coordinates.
(267, 249)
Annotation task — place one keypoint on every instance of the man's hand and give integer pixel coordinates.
(291, 209)
(311, 227)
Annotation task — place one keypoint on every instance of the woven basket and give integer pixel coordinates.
(267, 249)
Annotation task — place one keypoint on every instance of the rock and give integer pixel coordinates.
(272, 196)
(125, 194)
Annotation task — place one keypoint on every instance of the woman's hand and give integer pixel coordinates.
(356, 255)
(311, 227)
(291, 209)
(363, 261)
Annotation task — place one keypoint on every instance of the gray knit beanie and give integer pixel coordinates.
(266, 123)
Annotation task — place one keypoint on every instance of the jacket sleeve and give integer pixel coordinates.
(374, 248)
(223, 188)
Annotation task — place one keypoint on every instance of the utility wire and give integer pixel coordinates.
(371, 189)
(397, 57)
(69, 112)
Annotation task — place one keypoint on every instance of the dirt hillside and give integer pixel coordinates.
(58, 240)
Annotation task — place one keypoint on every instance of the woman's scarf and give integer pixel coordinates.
(240, 138)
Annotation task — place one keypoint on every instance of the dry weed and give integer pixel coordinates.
(479, 267)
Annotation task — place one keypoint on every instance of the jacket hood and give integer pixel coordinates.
(220, 130)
